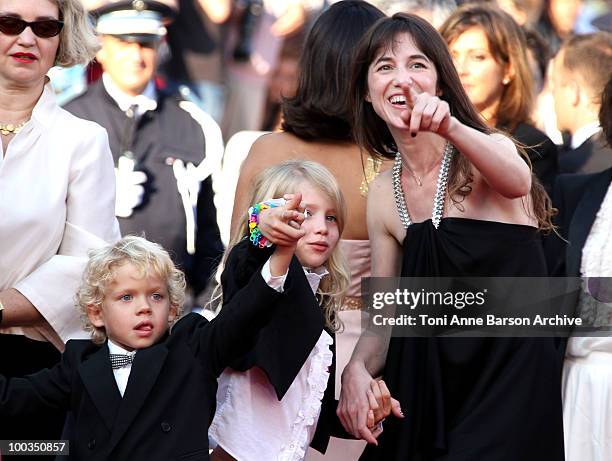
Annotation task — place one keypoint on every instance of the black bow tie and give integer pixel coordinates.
(120, 360)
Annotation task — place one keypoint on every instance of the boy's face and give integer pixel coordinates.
(136, 310)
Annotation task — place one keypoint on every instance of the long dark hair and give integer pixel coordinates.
(320, 107)
(372, 133)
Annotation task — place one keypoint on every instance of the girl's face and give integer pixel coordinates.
(481, 75)
(320, 225)
(402, 62)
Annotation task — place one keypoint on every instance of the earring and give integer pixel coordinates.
(505, 81)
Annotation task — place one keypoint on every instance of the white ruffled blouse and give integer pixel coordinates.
(252, 425)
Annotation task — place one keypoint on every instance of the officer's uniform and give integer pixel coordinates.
(154, 139)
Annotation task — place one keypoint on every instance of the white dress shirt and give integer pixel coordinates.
(143, 102)
(121, 374)
(583, 133)
(57, 200)
(250, 423)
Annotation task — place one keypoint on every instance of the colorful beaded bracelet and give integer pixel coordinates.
(256, 236)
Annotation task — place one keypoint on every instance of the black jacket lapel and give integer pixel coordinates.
(583, 220)
(145, 371)
(99, 381)
(286, 342)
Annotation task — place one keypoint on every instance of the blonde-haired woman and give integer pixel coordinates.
(57, 191)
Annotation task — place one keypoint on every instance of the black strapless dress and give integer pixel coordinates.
(473, 399)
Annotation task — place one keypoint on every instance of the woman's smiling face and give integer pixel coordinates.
(401, 61)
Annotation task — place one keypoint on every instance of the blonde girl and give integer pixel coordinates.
(269, 402)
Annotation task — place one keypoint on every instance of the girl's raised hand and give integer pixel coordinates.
(281, 225)
(425, 112)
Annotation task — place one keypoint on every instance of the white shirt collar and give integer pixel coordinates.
(121, 375)
(114, 348)
(145, 101)
(583, 133)
(314, 276)
(45, 106)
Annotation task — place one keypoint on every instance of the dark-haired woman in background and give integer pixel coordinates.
(489, 50)
(317, 126)
(459, 202)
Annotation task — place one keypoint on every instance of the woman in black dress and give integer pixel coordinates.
(464, 398)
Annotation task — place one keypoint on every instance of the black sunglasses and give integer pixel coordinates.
(45, 28)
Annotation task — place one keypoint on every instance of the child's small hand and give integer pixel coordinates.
(381, 404)
(281, 225)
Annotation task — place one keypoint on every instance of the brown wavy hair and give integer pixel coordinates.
(372, 133)
(508, 46)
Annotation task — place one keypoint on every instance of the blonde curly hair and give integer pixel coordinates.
(148, 257)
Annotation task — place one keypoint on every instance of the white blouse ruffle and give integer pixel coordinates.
(303, 428)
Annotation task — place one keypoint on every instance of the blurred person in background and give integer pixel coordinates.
(538, 56)
(284, 81)
(580, 71)
(164, 148)
(490, 53)
(57, 193)
(317, 126)
(253, 46)
(524, 12)
(585, 220)
(433, 11)
(195, 38)
(603, 20)
(560, 18)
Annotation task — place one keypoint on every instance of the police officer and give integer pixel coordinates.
(162, 144)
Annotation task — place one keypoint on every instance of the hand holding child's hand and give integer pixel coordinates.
(381, 406)
(281, 225)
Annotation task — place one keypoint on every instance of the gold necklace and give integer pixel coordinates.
(10, 128)
(418, 180)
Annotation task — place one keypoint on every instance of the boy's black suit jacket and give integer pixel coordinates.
(169, 401)
(284, 344)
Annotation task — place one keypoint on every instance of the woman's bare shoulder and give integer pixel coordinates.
(274, 147)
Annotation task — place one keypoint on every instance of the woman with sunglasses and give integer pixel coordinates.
(57, 192)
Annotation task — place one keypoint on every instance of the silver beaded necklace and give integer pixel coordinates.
(438, 204)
